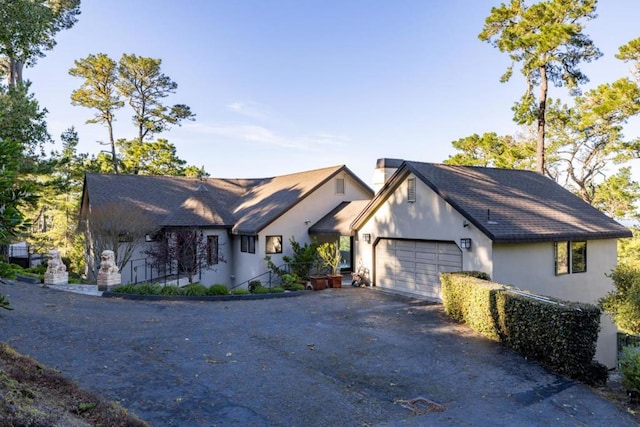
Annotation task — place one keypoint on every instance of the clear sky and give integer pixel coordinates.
(281, 86)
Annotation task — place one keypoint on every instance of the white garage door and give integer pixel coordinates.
(414, 266)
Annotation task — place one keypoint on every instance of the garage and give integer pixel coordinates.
(413, 266)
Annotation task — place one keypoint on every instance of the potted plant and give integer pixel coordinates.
(330, 255)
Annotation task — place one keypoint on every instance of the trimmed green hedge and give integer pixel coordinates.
(562, 335)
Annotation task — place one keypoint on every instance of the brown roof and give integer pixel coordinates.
(338, 221)
(508, 205)
(245, 205)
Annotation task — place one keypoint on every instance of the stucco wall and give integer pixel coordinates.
(294, 223)
(428, 218)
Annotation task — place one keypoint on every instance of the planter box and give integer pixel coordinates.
(335, 280)
(318, 282)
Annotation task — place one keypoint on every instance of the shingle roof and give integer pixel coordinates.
(338, 221)
(247, 205)
(511, 205)
(268, 200)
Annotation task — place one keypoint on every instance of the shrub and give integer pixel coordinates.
(561, 335)
(276, 290)
(254, 284)
(195, 290)
(240, 291)
(218, 290)
(477, 274)
(304, 259)
(170, 290)
(297, 287)
(288, 280)
(260, 290)
(630, 369)
(623, 304)
(9, 271)
(124, 289)
(36, 270)
(147, 289)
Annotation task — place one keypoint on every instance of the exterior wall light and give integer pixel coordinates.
(367, 237)
(465, 243)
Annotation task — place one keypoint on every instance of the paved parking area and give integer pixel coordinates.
(338, 357)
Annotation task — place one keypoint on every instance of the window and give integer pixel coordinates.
(411, 190)
(212, 249)
(274, 245)
(340, 186)
(570, 257)
(248, 244)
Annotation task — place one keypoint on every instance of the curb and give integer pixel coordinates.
(290, 294)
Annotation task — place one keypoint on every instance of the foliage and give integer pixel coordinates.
(98, 91)
(170, 290)
(304, 258)
(260, 290)
(276, 290)
(218, 290)
(561, 335)
(195, 290)
(329, 253)
(4, 303)
(629, 249)
(477, 274)
(546, 38)
(140, 83)
(491, 150)
(28, 30)
(253, 285)
(297, 287)
(623, 304)
(240, 291)
(9, 271)
(618, 195)
(630, 369)
(288, 280)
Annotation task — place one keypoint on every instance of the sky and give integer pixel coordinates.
(282, 86)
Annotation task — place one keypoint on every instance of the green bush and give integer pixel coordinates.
(170, 290)
(36, 270)
(9, 271)
(305, 258)
(240, 291)
(261, 290)
(288, 280)
(218, 290)
(276, 290)
(623, 304)
(195, 290)
(630, 369)
(477, 274)
(254, 284)
(561, 335)
(297, 287)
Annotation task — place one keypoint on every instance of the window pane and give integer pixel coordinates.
(411, 189)
(274, 245)
(562, 257)
(252, 244)
(212, 249)
(339, 185)
(578, 257)
(244, 243)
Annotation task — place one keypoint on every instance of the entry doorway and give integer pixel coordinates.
(346, 253)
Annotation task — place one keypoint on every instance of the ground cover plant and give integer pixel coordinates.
(34, 395)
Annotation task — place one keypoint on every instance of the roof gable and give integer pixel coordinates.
(508, 205)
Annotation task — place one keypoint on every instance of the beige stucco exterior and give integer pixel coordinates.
(529, 266)
(294, 223)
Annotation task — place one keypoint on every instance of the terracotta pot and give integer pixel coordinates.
(318, 282)
(335, 280)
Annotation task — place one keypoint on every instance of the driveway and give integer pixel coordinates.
(339, 357)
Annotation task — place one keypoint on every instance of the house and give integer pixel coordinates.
(520, 227)
(242, 220)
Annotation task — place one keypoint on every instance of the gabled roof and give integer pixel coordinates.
(507, 205)
(270, 199)
(338, 221)
(245, 205)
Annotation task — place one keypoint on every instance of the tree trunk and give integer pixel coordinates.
(541, 120)
(113, 147)
(14, 72)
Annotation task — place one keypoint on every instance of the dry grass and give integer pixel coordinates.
(33, 395)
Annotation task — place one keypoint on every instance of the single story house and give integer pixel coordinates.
(242, 220)
(520, 227)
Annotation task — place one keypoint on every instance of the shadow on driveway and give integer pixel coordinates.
(339, 357)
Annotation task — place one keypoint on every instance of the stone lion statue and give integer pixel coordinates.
(55, 264)
(108, 263)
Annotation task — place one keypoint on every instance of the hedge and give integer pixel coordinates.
(561, 335)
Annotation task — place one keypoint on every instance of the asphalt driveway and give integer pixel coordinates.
(339, 357)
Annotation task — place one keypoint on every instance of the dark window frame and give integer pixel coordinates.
(213, 245)
(248, 244)
(411, 190)
(570, 257)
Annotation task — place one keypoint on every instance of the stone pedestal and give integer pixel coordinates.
(108, 275)
(56, 273)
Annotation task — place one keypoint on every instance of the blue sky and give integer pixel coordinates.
(283, 86)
